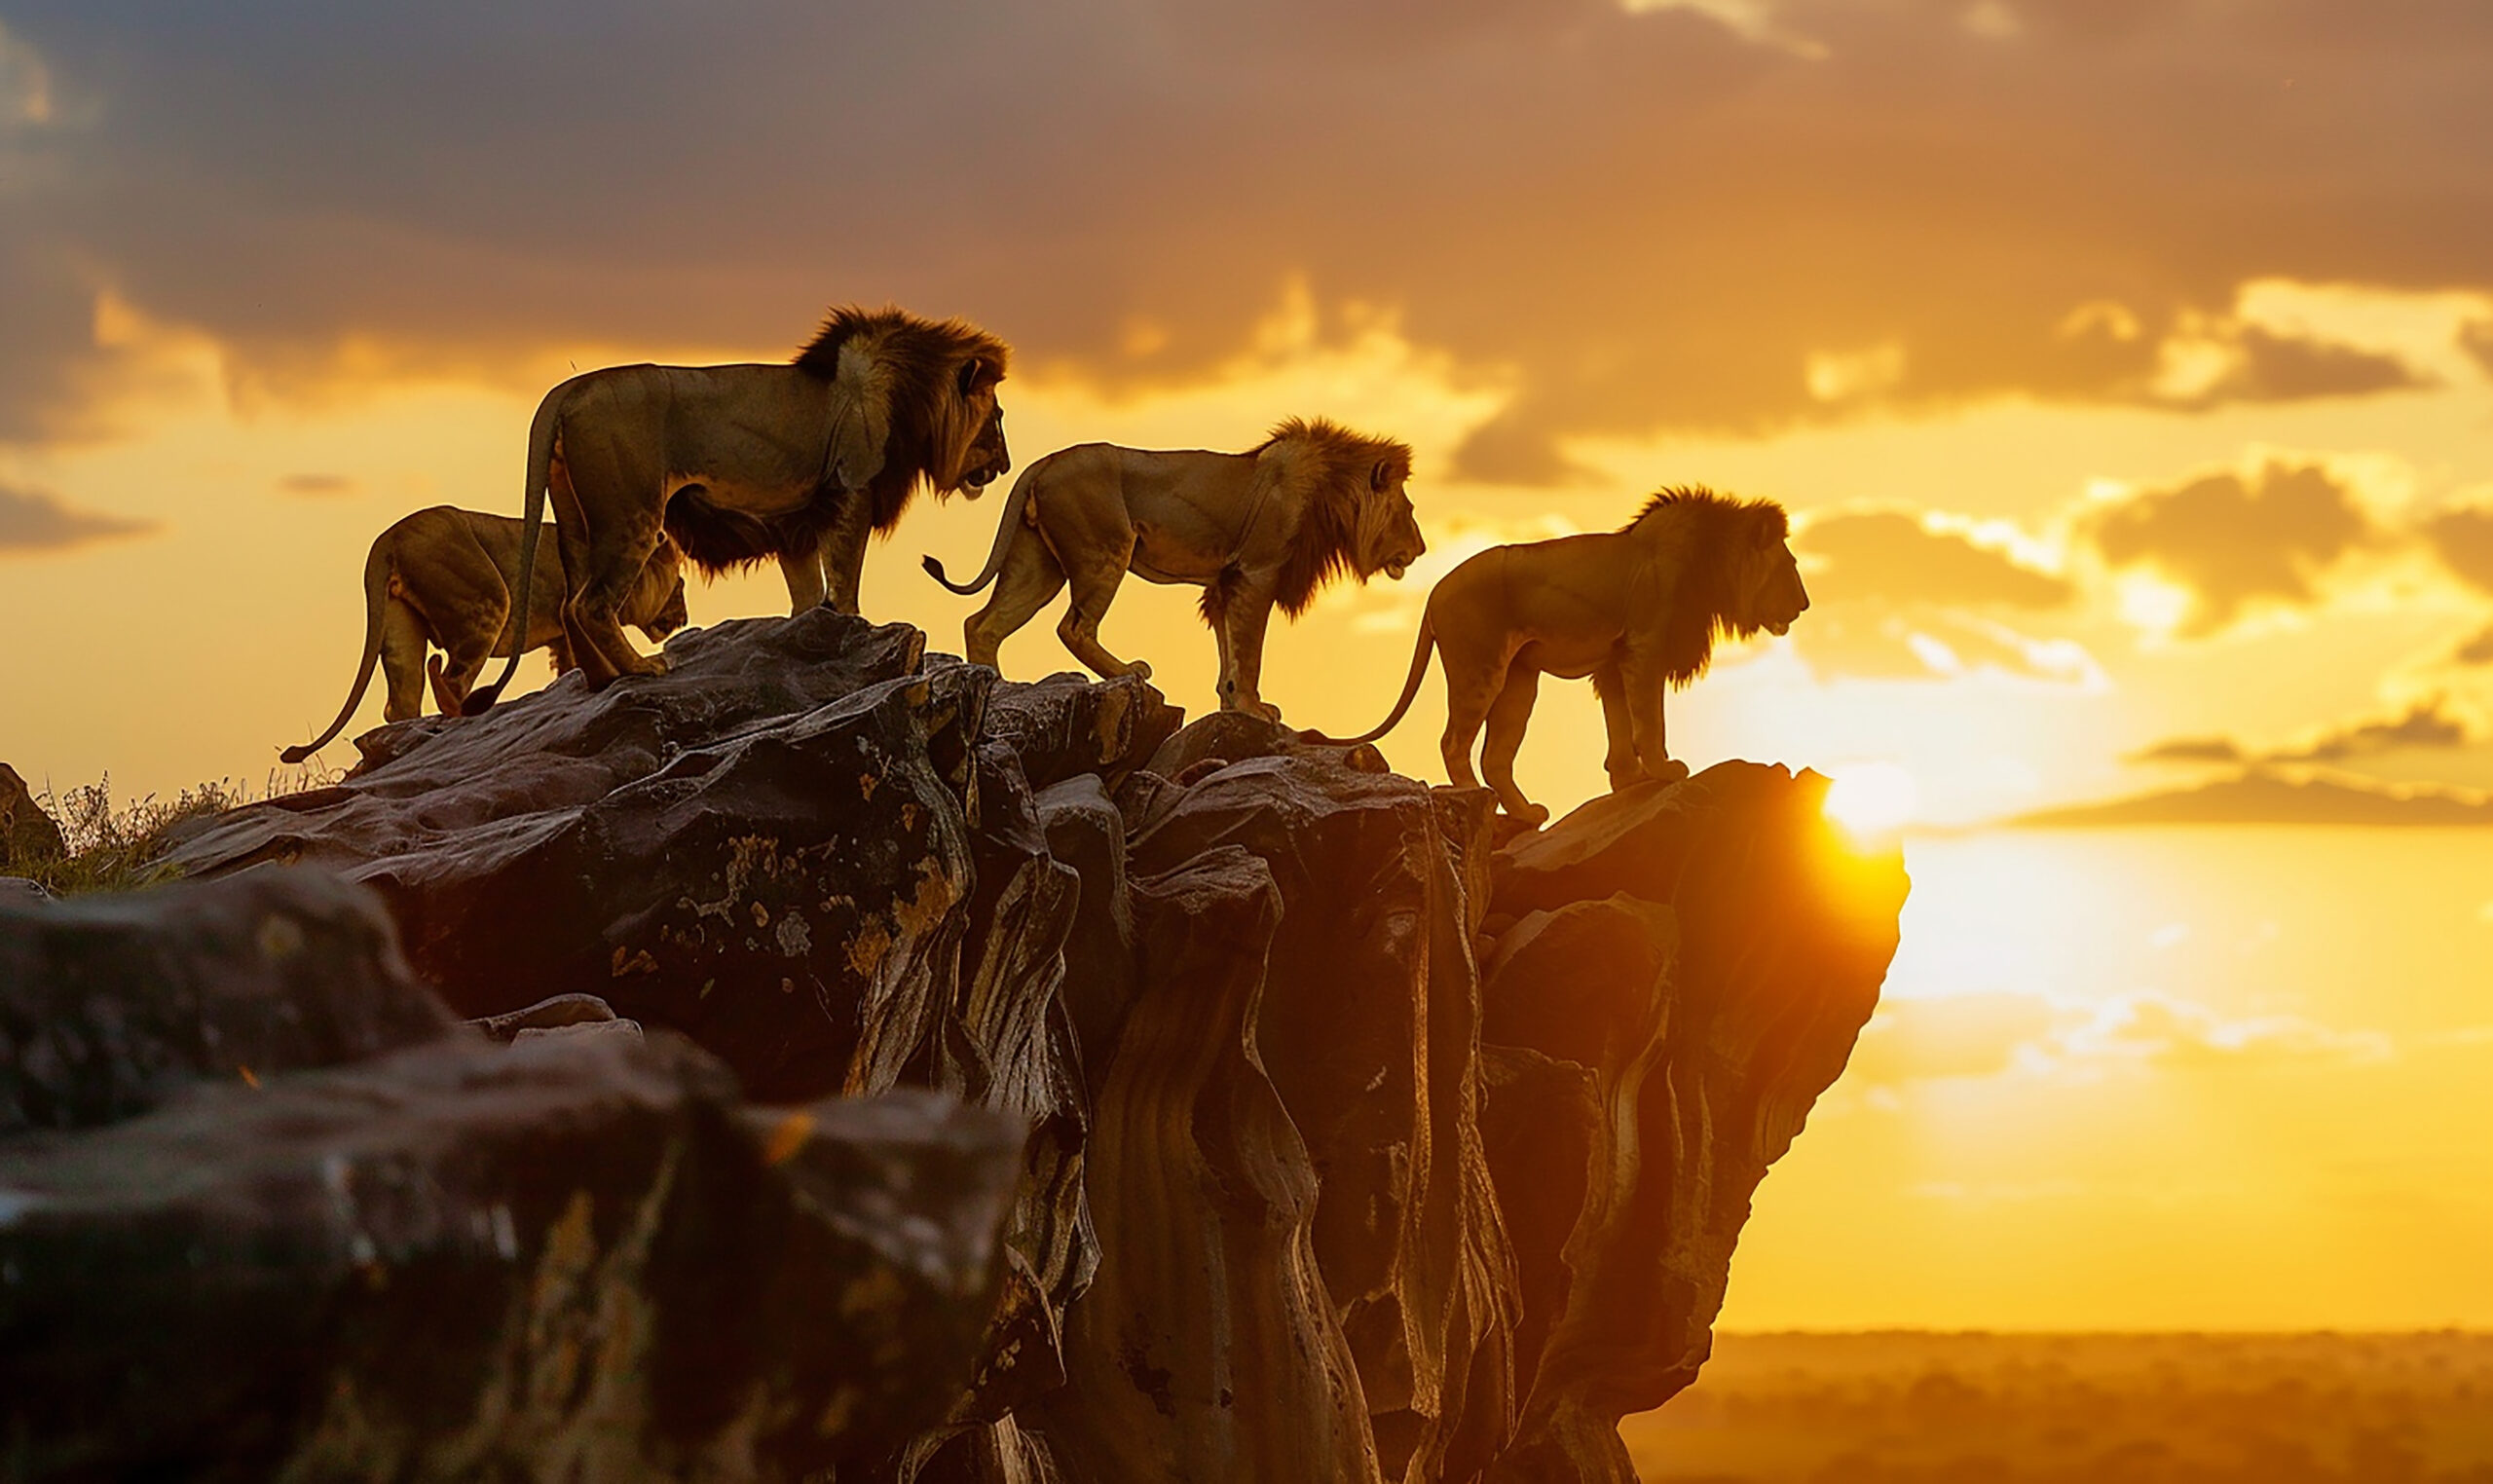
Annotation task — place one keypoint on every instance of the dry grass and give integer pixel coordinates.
(117, 847)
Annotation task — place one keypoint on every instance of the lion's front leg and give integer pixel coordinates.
(844, 552)
(1644, 682)
(1243, 621)
(1619, 760)
(805, 587)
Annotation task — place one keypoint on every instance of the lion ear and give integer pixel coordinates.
(977, 373)
(1381, 477)
(861, 420)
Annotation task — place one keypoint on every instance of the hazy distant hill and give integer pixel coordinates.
(2270, 799)
(1914, 1408)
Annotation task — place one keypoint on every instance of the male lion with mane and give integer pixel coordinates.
(1269, 525)
(1637, 609)
(444, 576)
(743, 463)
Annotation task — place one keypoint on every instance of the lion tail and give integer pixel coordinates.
(542, 432)
(376, 592)
(1016, 508)
(1410, 688)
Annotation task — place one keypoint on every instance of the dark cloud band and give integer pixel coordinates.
(1645, 220)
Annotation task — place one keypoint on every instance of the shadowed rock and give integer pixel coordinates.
(1370, 1139)
(1715, 993)
(28, 836)
(388, 1246)
(110, 1005)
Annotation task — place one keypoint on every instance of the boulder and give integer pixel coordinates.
(386, 1246)
(28, 836)
(112, 1004)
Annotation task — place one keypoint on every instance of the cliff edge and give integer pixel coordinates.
(1364, 1141)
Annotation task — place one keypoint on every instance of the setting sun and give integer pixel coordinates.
(1867, 798)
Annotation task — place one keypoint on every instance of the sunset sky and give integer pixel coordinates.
(2127, 364)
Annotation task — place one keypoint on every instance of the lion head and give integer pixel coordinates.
(933, 387)
(986, 459)
(1387, 535)
(1730, 570)
(1358, 518)
(669, 618)
(1769, 593)
(664, 568)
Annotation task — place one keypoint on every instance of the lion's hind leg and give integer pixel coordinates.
(1508, 716)
(403, 638)
(1029, 581)
(454, 676)
(603, 557)
(1095, 582)
(1471, 687)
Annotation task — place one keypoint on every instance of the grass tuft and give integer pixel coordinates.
(117, 847)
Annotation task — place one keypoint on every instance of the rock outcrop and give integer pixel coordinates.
(28, 836)
(1362, 1146)
(268, 1211)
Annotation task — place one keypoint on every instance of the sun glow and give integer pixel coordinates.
(1871, 798)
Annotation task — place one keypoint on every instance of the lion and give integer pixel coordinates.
(1269, 525)
(742, 463)
(444, 576)
(1637, 609)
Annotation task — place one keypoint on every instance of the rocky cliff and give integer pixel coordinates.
(1342, 1137)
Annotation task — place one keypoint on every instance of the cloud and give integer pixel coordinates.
(2190, 750)
(1900, 595)
(2264, 797)
(1728, 216)
(2249, 363)
(1962, 1035)
(2427, 725)
(2478, 338)
(1997, 1032)
(2178, 1032)
(318, 485)
(1893, 556)
(2463, 538)
(2477, 651)
(26, 85)
(2233, 541)
(33, 521)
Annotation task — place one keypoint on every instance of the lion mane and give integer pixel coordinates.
(913, 358)
(1345, 527)
(1709, 602)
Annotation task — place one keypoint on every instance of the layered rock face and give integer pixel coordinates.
(1365, 1143)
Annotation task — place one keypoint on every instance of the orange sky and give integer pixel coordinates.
(2129, 367)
